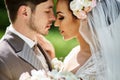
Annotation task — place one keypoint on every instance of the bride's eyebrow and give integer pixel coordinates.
(59, 12)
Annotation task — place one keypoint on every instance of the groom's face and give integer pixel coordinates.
(42, 17)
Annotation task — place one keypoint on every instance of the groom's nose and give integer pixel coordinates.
(52, 17)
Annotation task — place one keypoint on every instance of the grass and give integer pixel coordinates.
(62, 48)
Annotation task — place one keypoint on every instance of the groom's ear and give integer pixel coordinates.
(24, 12)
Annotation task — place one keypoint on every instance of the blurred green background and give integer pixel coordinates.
(62, 48)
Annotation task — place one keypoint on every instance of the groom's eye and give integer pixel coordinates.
(47, 11)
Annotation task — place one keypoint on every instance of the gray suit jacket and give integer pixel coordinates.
(13, 61)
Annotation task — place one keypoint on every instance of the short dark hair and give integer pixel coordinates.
(13, 6)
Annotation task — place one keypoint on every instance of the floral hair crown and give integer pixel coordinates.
(80, 8)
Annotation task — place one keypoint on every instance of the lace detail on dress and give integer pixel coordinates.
(88, 70)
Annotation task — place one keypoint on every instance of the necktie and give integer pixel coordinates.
(40, 53)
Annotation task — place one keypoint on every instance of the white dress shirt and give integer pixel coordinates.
(27, 40)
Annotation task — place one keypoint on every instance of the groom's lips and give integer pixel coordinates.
(48, 26)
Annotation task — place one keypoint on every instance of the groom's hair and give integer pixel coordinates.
(12, 6)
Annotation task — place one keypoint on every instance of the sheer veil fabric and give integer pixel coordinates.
(104, 38)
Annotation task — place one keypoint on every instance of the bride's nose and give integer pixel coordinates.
(56, 24)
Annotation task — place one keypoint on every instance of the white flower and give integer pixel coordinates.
(55, 74)
(57, 64)
(76, 5)
(25, 76)
(35, 75)
(38, 74)
(80, 8)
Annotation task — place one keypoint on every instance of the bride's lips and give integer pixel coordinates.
(61, 32)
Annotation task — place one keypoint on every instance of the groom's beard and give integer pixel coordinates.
(32, 25)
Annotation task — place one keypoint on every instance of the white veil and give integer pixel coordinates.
(104, 38)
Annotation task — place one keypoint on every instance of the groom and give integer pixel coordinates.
(28, 18)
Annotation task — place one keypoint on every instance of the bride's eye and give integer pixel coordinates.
(61, 18)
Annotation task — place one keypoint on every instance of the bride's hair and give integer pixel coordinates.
(68, 3)
(70, 9)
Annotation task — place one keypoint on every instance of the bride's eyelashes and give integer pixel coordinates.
(60, 17)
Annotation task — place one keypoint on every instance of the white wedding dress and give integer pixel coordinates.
(86, 71)
(104, 41)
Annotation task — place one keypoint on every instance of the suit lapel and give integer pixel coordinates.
(22, 50)
(28, 55)
(14, 41)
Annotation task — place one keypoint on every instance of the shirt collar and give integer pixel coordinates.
(27, 40)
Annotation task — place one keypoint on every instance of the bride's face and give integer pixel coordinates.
(67, 23)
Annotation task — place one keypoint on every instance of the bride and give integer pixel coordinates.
(79, 60)
(95, 23)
